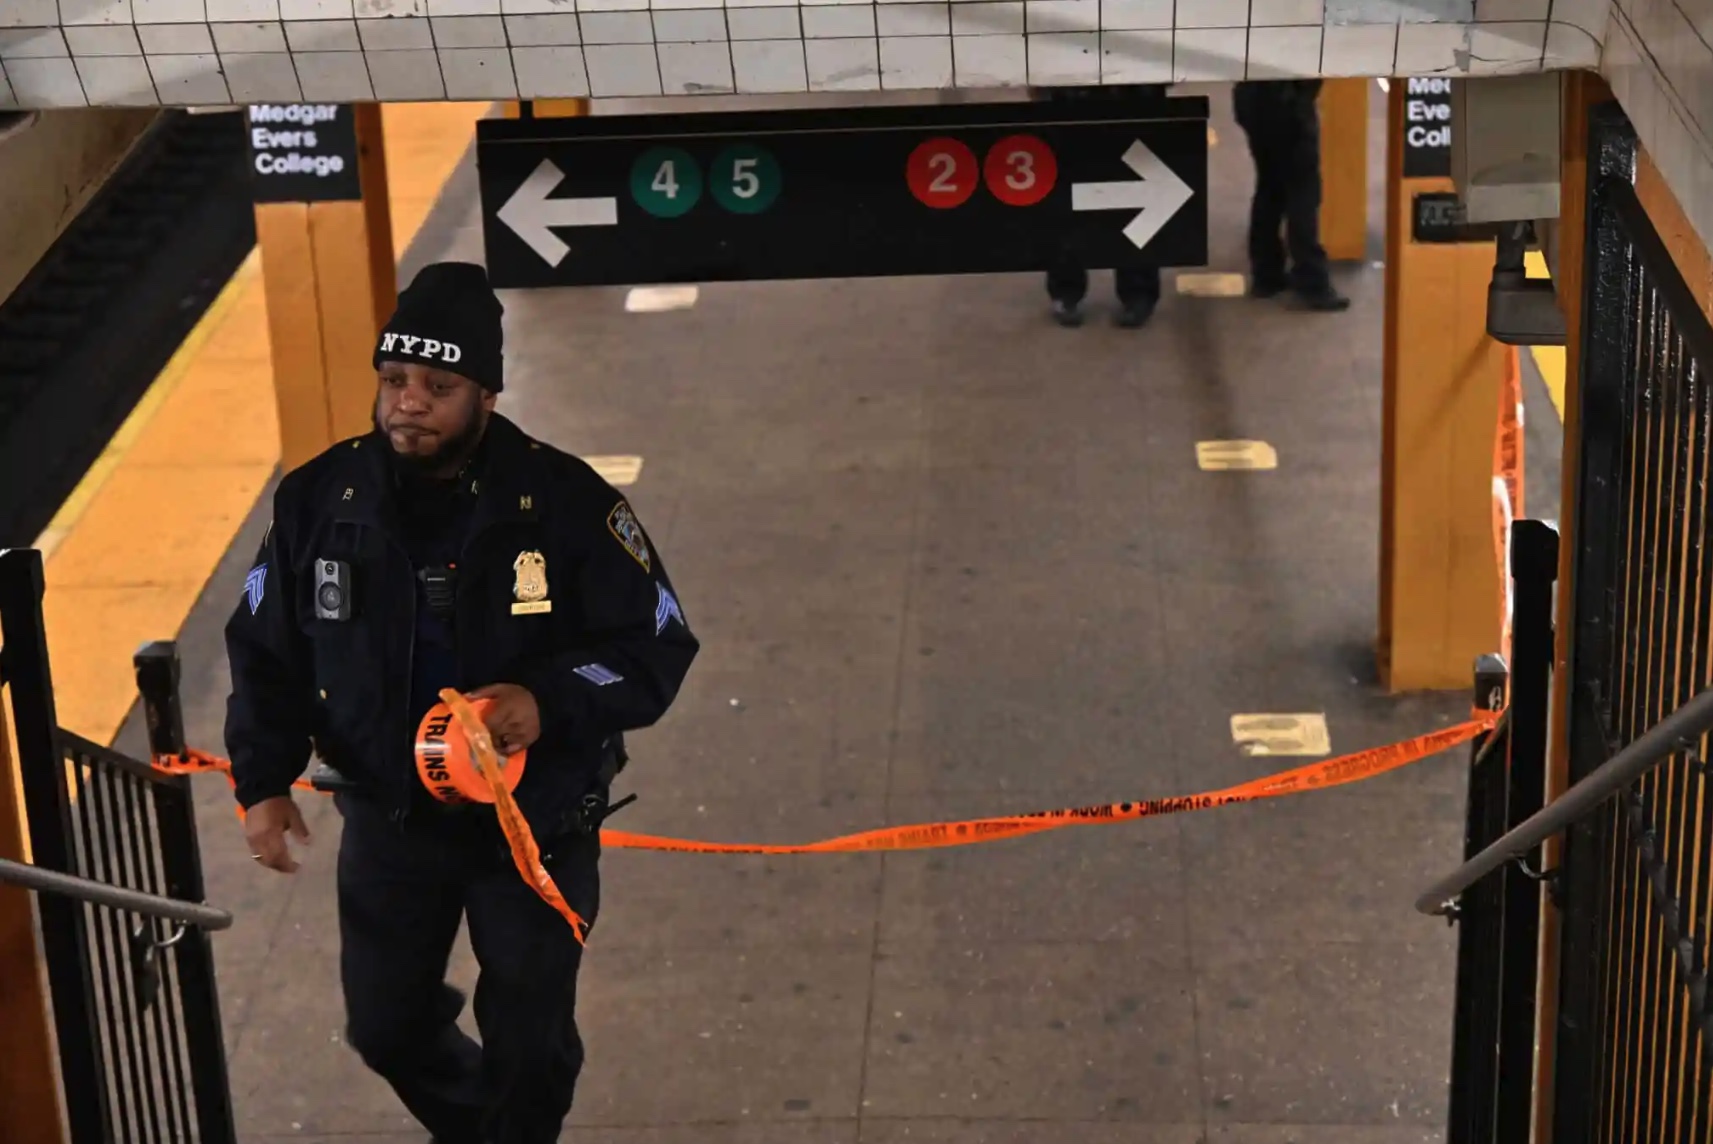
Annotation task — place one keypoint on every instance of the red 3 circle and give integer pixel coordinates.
(1020, 170)
(942, 173)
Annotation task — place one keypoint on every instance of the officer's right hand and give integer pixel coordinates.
(265, 828)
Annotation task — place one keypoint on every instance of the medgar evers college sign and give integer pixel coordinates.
(303, 152)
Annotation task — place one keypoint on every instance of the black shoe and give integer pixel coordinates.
(1067, 314)
(1135, 315)
(1325, 300)
(1266, 288)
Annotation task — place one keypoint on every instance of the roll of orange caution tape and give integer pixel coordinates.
(481, 758)
(446, 764)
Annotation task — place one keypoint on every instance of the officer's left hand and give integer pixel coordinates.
(514, 720)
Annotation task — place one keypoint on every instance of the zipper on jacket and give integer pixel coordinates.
(401, 810)
(410, 669)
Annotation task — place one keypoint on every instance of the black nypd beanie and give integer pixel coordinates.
(448, 318)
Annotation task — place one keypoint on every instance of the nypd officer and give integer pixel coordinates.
(448, 549)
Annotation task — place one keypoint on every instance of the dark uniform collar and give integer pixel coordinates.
(499, 477)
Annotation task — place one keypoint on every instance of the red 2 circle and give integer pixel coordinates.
(942, 173)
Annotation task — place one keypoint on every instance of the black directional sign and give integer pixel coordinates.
(708, 197)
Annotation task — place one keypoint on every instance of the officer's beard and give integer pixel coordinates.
(448, 457)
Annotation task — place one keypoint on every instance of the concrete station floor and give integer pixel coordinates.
(946, 560)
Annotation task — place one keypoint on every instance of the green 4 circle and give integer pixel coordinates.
(665, 182)
(745, 179)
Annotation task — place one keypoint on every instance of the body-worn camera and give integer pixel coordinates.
(332, 590)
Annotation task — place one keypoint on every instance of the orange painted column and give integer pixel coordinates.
(324, 228)
(1344, 168)
(29, 1082)
(1439, 576)
(548, 108)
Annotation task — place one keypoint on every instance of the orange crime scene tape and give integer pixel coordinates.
(473, 766)
(467, 767)
(1507, 487)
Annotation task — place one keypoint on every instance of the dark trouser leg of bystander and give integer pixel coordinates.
(1138, 290)
(1067, 285)
(1267, 205)
(1309, 274)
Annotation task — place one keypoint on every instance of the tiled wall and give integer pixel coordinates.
(185, 52)
(56, 53)
(1659, 60)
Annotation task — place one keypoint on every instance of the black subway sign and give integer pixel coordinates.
(1427, 128)
(303, 153)
(749, 196)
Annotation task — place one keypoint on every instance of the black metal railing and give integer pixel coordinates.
(1635, 1027)
(1632, 1040)
(136, 1015)
(1498, 919)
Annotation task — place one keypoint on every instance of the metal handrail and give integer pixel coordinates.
(1688, 723)
(118, 897)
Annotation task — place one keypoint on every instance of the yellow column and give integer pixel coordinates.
(548, 108)
(1344, 168)
(1439, 577)
(328, 272)
(29, 1082)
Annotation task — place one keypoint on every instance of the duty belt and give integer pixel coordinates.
(591, 811)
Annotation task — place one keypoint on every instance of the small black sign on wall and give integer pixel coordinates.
(303, 152)
(1427, 128)
(1439, 217)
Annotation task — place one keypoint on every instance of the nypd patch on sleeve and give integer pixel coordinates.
(624, 526)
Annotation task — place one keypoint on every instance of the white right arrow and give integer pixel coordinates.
(1157, 194)
(532, 215)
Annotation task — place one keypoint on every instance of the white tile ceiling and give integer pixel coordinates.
(1658, 54)
(178, 52)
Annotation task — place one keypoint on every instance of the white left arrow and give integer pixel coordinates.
(1156, 194)
(532, 215)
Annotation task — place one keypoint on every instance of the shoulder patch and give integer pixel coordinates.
(623, 524)
(666, 609)
(254, 584)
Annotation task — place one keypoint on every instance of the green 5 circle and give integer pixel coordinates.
(665, 182)
(745, 179)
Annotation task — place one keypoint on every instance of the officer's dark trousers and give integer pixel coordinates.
(1283, 127)
(1067, 282)
(402, 893)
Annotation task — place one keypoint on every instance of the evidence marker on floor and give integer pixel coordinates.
(659, 299)
(1266, 734)
(1212, 284)
(617, 471)
(1230, 456)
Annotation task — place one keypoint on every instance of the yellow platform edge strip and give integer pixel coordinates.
(1549, 360)
(147, 406)
(132, 548)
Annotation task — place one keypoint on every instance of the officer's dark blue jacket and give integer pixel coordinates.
(602, 644)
